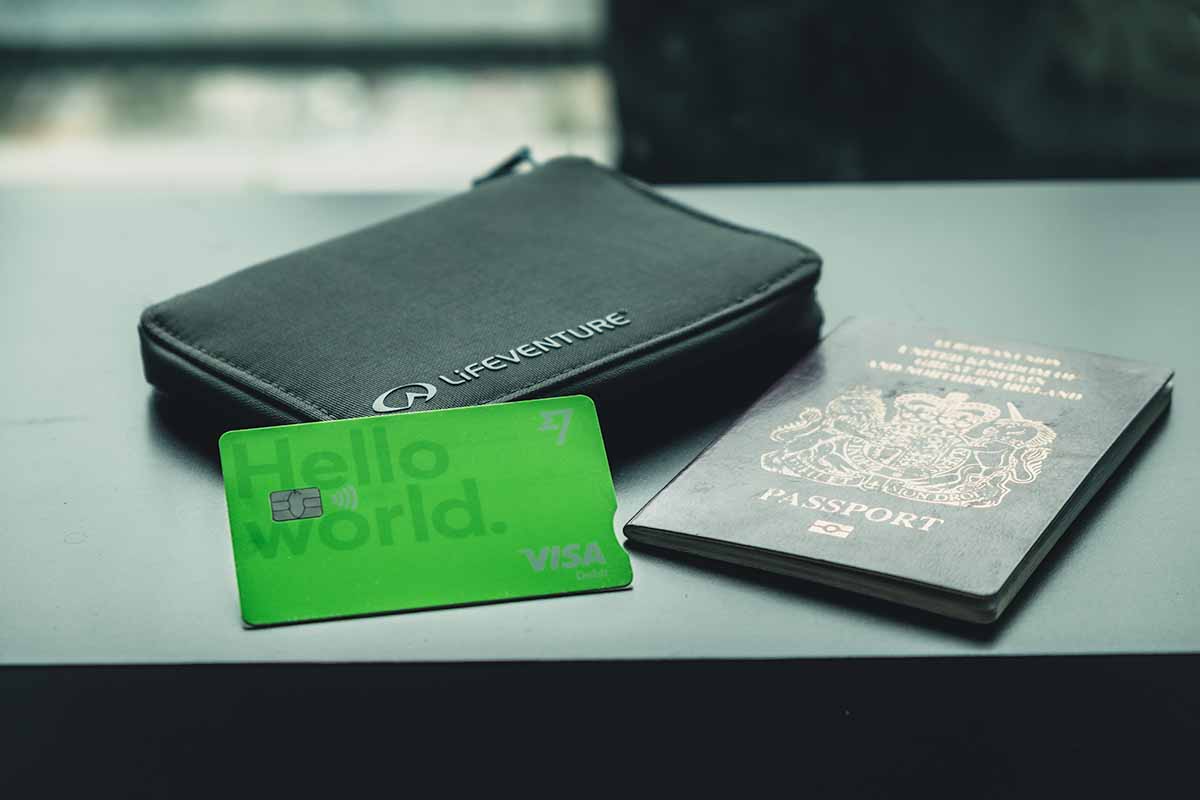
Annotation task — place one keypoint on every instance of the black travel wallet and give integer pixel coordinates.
(570, 278)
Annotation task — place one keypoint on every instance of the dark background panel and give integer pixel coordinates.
(829, 90)
(266, 93)
(968, 727)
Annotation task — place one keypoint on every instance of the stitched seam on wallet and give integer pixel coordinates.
(241, 394)
(657, 197)
(807, 257)
(163, 330)
(656, 341)
(608, 360)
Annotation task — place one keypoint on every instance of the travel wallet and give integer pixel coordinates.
(568, 278)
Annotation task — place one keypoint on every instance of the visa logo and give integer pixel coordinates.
(567, 556)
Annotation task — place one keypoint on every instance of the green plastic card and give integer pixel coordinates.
(438, 508)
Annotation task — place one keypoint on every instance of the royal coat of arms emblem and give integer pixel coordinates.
(946, 450)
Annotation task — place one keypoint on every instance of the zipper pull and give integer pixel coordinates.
(506, 167)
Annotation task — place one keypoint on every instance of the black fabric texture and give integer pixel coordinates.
(672, 296)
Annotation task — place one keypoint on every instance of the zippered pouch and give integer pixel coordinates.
(569, 278)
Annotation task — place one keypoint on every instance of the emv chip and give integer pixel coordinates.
(291, 504)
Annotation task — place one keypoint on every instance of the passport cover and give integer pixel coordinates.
(920, 465)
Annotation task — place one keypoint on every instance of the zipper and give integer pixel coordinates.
(521, 158)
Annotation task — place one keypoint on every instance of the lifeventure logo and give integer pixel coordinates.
(405, 396)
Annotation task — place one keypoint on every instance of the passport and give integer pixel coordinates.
(919, 465)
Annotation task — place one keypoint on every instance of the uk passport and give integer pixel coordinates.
(919, 465)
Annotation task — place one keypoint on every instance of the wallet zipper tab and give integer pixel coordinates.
(507, 167)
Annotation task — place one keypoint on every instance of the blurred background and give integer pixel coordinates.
(366, 95)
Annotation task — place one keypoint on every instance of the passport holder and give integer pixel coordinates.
(569, 278)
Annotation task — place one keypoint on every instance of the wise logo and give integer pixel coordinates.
(423, 509)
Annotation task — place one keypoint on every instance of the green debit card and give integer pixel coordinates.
(438, 508)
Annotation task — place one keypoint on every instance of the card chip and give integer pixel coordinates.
(291, 504)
